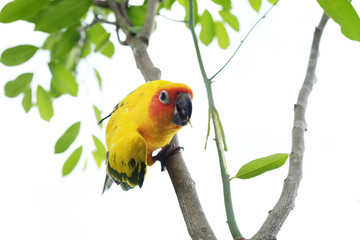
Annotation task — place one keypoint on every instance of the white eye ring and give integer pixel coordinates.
(164, 97)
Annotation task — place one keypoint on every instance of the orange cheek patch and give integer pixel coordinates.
(158, 110)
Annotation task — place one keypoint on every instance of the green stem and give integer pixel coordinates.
(219, 135)
(231, 221)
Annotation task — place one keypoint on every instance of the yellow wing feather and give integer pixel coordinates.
(127, 160)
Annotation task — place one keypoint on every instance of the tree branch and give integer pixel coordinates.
(149, 23)
(194, 216)
(143, 62)
(286, 202)
(195, 219)
(140, 43)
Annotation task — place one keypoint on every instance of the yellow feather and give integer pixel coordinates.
(134, 132)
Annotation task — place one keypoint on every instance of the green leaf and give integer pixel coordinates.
(167, 4)
(44, 104)
(108, 50)
(98, 77)
(64, 80)
(230, 19)
(255, 4)
(64, 43)
(27, 100)
(100, 38)
(98, 158)
(137, 14)
(344, 14)
(69, 60)
(261, 165)
(97, 114)
(55, 91)
(223, 38)
(99, 145)
(71, 162)
(51, 40)
(183, 2)
(102, 42)
(226, 4)
(86, 49)
(19, 85)
(69, 136)
(273, 1)
(21, 9)
(95, 33)
(207, 32)
(85, 165)
(100, 153)
(60, 14)
(18, 55)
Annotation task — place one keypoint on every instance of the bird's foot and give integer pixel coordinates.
(166, 152)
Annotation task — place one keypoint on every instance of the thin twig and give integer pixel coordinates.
(286, 202)
(106, 21)
(171, 19)
(82, 39)
(242, 41)
(118, 37)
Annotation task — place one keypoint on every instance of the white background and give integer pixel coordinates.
(255, 95)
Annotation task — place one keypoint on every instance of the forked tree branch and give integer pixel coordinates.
(195, 219)
(286, 202)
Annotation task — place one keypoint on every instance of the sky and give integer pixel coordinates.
(254, 95)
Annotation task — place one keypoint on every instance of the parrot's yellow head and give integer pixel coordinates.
(171, 104)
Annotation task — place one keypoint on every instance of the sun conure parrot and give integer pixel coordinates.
(145, 120)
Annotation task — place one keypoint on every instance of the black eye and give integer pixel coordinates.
(164, 97)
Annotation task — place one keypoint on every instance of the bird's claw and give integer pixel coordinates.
(166, 152)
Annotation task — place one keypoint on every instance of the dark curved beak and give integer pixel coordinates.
(183, 109)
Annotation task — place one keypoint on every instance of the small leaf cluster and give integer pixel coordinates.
(217, 28)
(69, 39)
(67, 139)
(67, 42)
(210, 28)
